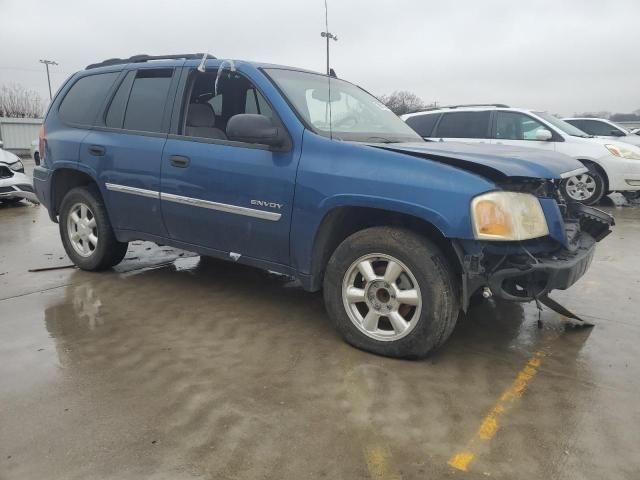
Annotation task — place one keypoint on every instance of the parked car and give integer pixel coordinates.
(15, 186)
(635, 131)
(35, 154)
(613, 166)
(11, 160)
(247, 162)
(603, 128)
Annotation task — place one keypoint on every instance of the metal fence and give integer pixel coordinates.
(18, 133)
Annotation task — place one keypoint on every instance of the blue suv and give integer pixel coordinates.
(310, 176)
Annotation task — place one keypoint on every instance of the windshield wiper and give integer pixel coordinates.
(384, 140)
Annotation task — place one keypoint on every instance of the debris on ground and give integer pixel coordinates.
(44, 269)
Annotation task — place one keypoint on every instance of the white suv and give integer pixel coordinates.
(613, 166)
(603, 128)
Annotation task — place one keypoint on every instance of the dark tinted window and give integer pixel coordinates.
(464, 125)
(115, 113)
(595, 127)
(147, 99)
(81, 104)
(423, 124)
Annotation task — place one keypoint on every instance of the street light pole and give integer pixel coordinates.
(46, 64)
(327, 34)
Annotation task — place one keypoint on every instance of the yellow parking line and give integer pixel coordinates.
(380, 464)
(490, 423)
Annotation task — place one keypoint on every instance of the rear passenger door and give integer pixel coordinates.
(467, 127)
(519, 129)
(125, 148)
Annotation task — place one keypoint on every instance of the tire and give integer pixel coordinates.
(587, 188)
(425, 275)
(107, 251)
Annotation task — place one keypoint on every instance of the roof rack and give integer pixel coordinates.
(147, 58)
(498, 105)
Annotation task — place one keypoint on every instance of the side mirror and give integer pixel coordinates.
(254, 128)
(543, 135)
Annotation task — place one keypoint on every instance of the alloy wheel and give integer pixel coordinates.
(82, 229)
(382, 297)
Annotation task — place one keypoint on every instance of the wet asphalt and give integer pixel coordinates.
(175, 367)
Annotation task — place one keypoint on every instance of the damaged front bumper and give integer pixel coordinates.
(526, 271)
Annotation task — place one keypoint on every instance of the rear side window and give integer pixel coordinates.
(423, 124)
(145, 109)
(83, 101)
(464, 125)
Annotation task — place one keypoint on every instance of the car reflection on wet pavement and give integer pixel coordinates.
(173, 366)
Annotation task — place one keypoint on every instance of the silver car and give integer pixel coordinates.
(15, 186)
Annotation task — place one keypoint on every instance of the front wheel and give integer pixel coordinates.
(391, 292)
(86, 232)
(587, 188)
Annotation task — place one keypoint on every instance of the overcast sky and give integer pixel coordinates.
(563, 56)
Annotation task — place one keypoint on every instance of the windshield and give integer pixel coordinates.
(562, 125)
(349, 113)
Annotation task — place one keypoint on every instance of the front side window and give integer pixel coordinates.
(338, 109)
(561, 125)
(464, 125)
(83, 101)
(209, 104)
(423, 124)
(516, 126)
(596, 127)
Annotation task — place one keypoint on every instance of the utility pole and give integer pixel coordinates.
(46, 64)
(326, 34)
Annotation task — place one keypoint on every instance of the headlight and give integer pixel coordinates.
(17, 166)
(623, 152)
(508, 216)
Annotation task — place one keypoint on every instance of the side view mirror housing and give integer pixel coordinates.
(543, 135)
(255, 128)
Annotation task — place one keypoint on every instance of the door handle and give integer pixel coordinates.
(179, 161)
(97, 150)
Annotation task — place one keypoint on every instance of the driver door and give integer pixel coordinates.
(225, 195)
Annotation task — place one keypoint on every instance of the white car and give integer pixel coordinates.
(11, 160)
(613, 165)
(15, 186)
(603, 128)
(35, 154)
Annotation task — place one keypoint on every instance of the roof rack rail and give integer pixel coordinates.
(498, 105)
(147, 58)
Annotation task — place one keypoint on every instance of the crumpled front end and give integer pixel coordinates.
(528, 270)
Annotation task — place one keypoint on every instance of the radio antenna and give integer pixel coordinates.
(328, 36)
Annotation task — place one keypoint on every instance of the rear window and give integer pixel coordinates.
(145, 109)
(423, 124)
(464, 125)
(83, 101)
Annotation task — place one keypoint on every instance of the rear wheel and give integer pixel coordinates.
(86, 232)
(587, 188)
(391, 292)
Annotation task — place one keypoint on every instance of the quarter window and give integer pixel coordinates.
(147, 99)
(464, 125)
(83, 101)
(516, 126)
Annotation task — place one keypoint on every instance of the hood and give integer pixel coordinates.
(492, 161)
(9, 158)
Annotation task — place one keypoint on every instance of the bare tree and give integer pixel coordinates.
(403, 101)
(19, 102)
